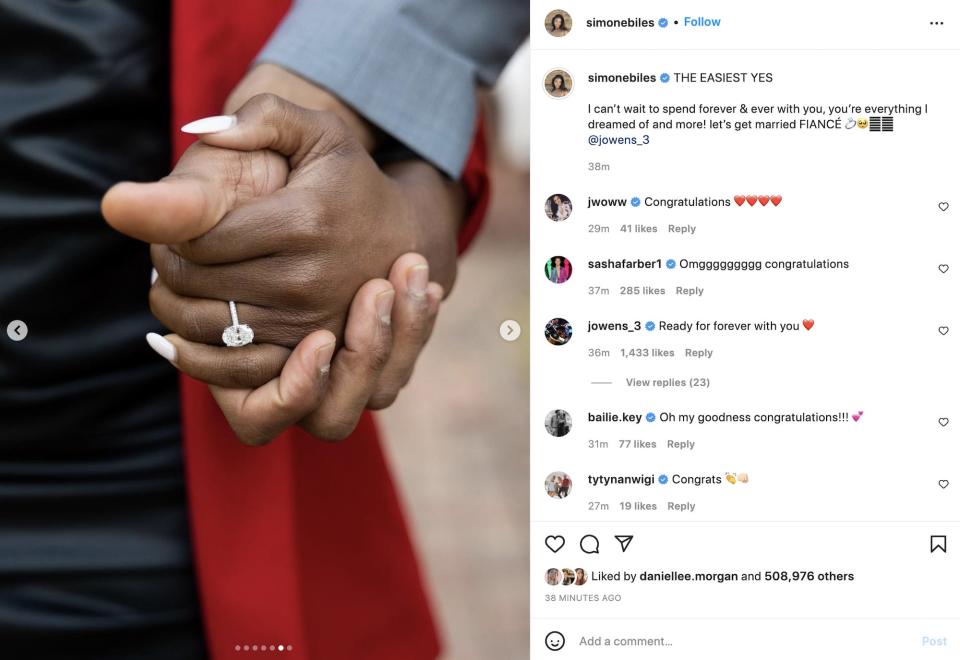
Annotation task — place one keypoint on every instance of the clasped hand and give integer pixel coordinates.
(285, 213)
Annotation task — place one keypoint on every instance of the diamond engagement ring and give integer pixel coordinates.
(237, 334)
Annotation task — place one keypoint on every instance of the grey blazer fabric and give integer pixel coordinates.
(411, 67)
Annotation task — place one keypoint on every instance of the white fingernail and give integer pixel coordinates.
(214, 124)
(153, 276)
(162, 346)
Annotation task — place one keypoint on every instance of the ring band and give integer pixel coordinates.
(237, 334)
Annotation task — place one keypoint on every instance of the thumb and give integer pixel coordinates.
(267, 121)
(205, 184)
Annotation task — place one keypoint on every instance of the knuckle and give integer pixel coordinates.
(252, 431)
(188, 250)
(407, 376)
(239, 178)
(311, 221)
(175, 317)
(251, 436)
(172, 268)
(304, 233)
(301, 293)
(306, 296)
(263, 169)
(417, 325)
(194, 327)
(383, 399)
(338, 429)
(331, 119)
(380, 355)
(334, 136)
(267, 104)
(334, 124)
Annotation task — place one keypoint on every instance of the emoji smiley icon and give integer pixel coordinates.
(861, 122)
(555, 640)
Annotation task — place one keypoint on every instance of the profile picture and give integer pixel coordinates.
(558, 485)
(558, 331)
(552, 576)
(558, 207)
(569, 577)
(558, 23)
(558, 83)
(558, 269)
(581, 577)
(558, 423)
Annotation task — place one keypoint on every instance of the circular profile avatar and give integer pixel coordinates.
(558, 485)
(558, 23)
(558, 269)
(558, 207)
(558, 423)
(558, 84)
(558, 331)
(552, 576)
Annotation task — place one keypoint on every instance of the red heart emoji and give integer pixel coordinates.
(763, 199)
(808, 323)
(739, 199)
(751, 199)
(776, 199)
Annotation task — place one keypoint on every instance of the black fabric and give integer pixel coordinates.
(94, 548)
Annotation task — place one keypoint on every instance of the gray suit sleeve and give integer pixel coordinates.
(410, 67)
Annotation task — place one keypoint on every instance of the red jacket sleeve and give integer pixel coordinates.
(476, 181)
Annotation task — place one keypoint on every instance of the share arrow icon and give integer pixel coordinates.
(624, 540)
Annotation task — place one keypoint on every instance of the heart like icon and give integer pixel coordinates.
(554, 542)
(944, 205)
(944, 329)
(808, 323)
(751, 199)
(944, 268)
(944, 421)
(943, 483)
(763, 199)
(857, 415)
(739, 199)
(776, 199)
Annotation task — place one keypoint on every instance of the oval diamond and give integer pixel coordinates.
(237, 335)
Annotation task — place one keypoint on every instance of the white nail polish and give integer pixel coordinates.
(153, 276)
(162, 346)
(215, 124)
